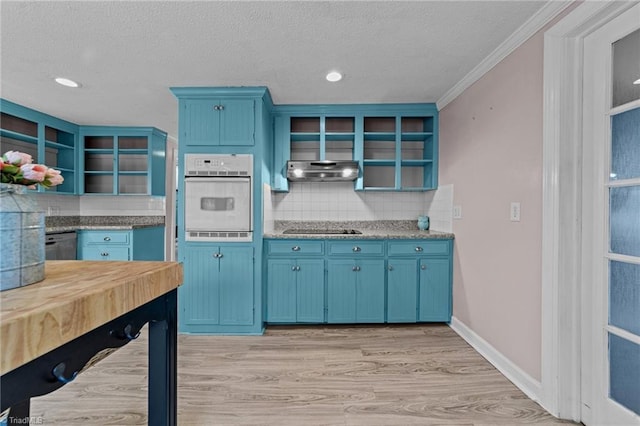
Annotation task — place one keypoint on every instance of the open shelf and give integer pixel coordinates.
(319, 138)
(49, 141)
(123, 160)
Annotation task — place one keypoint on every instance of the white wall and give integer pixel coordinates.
(491, 151)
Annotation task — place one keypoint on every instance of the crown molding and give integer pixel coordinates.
(541, 18)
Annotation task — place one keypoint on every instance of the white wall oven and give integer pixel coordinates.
(217, 197)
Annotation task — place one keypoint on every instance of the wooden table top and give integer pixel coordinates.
(74, 298)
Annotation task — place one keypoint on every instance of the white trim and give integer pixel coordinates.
(511, 371)
(623, 333)
(542, 17)
(623, 258)
(625, 107)
(623, 182)
(561, 226)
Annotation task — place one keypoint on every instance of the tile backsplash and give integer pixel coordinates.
(339, 201)
(58, 205)
(306, 201)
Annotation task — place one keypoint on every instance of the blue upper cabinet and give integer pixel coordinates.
(396, 145)
(47, 139)
(123, 160)
(218, 116)
(219, 122)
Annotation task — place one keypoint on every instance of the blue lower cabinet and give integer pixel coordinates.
(104, 253)
(310, 290)
(218, 290)
(435, 290)
(402, 290)
(341, 291)
(136, 244)
(355, 291)
(295, 291)
(281, 291)
(365, 281)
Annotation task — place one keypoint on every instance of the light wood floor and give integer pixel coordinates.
(315, 375)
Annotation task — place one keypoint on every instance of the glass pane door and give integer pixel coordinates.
(611, 372)
(623, 328)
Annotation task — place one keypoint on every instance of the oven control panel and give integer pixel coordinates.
(218, 164)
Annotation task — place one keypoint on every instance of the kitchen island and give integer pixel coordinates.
(52, 330)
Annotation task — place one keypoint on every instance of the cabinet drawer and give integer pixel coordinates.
(419, 247)
(295, 247)
(357, 247)
(105, 237)
(105, 253)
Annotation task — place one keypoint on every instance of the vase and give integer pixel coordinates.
(22, 235)
(423, 223)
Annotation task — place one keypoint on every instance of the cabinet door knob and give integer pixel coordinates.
(297, 268)
(355, 268)
(423, 267)
(107, 238)
(418, 249)
(216, 107)
(356, 249)
(293, 268)
(295, 248)
(104, 254)
(220, 107)
(390, 267)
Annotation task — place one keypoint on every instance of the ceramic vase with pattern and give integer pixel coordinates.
(22, 237)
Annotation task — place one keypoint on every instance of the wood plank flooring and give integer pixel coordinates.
(315, 375)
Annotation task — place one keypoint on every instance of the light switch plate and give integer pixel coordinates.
(457, 212)
(514, 212)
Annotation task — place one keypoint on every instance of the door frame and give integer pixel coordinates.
(562, 214)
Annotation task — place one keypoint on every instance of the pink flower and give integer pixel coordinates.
(17, 168)
(53, 177)
(33, 172)
(17, 158)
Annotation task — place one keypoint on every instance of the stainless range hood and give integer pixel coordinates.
(322, 171)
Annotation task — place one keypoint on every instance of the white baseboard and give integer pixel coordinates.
(527, 384)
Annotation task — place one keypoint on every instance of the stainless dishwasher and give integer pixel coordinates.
(60, 246)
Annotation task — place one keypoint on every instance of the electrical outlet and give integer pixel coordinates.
(457, 212)
(53, 211)
(514, 212)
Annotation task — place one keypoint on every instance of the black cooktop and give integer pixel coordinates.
(322, 231)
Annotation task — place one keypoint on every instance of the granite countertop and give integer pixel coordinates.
(75, 223)
(372, 229)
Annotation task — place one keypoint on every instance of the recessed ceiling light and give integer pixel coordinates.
(334, 76)
(637, 81)
(66, 82)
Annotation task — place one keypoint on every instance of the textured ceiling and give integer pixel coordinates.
(126, 54)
